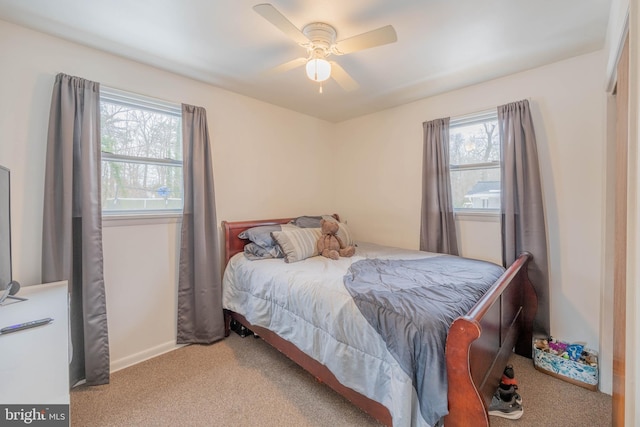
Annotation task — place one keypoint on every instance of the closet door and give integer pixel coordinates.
(620, 237)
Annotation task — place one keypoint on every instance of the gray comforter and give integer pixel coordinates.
(411, 304)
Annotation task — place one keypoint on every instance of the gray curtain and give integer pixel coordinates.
(437, 228)
(200, 318)
(72, 222)
(523, 223)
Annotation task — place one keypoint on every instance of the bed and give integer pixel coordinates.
(355, 362)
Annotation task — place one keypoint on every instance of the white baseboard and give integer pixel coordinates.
(150, 353)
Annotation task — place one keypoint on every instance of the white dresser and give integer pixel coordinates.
(34, 363)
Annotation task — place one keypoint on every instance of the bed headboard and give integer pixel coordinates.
(234, 244)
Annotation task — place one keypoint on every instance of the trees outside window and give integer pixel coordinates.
(141, 154)
(474, 161)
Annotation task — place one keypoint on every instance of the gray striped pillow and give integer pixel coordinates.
(298, 243)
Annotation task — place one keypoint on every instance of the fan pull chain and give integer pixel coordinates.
(320, 91)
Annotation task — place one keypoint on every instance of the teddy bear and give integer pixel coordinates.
(329, 244)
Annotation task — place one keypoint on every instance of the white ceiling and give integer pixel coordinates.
(442, 44)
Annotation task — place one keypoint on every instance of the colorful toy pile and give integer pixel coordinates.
(569, 361)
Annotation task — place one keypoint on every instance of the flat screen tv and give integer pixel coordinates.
(5, 229)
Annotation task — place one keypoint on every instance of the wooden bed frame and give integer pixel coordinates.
(478, 347)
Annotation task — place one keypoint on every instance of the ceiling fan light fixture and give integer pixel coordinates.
(318, 69)
(319, 39)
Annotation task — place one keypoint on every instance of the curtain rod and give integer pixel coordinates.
(479, 111)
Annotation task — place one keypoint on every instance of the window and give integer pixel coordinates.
(141, 154)
(474, 160)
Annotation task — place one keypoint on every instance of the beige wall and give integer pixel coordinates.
(381, 157)
(268, 162)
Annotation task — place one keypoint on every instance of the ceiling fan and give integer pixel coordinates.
(319, 39)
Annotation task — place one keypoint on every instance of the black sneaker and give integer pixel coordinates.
(511, 410)
(508, 394)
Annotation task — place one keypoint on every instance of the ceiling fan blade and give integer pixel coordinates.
(382, 35)
(271, 14)
(341, 77)
(298, 62)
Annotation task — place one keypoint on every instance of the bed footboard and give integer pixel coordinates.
(480, 343)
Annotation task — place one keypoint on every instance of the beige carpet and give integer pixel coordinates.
(245, 382)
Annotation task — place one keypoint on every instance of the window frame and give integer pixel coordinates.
(142, 102)
(466, 120)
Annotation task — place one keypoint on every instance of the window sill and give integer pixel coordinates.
(140, 219)
(478, 216)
